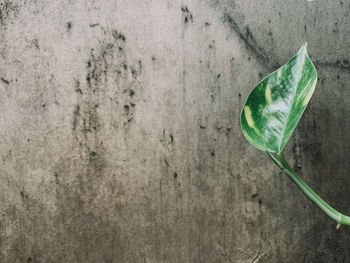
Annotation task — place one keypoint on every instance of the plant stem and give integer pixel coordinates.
(317, 200)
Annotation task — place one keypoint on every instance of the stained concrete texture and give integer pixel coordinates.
(120, 136)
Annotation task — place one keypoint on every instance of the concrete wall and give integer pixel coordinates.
(120, 136)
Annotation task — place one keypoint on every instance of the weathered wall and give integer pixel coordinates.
(120, 137)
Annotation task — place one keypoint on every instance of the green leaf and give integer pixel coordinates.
(275, 106)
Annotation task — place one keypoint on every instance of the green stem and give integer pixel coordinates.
(318, 201)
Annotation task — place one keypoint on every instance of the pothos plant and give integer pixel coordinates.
(272, 112)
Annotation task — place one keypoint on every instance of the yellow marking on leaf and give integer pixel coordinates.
(279, 73)
(305, 90)
(308, 96)
(268, 95)
(301, 68)
(249, 118)
(308, 83)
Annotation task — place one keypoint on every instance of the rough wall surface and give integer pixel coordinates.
(120, 136)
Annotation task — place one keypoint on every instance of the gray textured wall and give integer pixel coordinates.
(120, 137)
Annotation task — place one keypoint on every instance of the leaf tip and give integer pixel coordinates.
(303, 48)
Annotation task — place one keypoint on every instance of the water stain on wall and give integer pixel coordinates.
(106, 103)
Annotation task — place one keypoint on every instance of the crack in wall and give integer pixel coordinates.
(248, 40)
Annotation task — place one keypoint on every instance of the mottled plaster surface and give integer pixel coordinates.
(120, 137)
